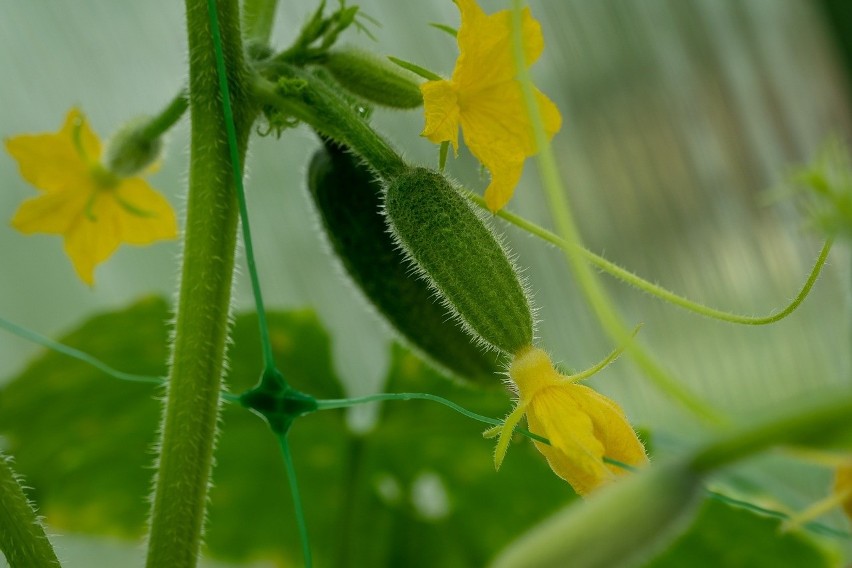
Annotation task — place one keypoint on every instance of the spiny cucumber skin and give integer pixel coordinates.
(461, 258)
(348, 199)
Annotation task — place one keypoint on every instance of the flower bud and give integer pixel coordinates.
(131, 150)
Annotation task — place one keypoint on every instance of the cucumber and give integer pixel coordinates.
(374, 79)
(348, 198)
(460, 257)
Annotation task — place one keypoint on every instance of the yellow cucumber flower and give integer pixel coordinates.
(484, 98)
(582, 425)
(94, 209)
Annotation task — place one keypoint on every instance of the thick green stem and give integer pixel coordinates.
(817, 423)
(201, 328)
(314, 103)
(22, 538)
(237, 171)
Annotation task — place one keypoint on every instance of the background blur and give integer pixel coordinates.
(679, 118)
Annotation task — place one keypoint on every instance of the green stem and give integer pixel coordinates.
(89, 359)
(815, 424)
(347, 512)
(258, 17)
(600, 366)
(297, 499)
(655, 289)
(22, 538)
(347, 402)
(201, 328)
(237, 170)
(314, 103)
(76, 354)
(567, 228)
(168, 117)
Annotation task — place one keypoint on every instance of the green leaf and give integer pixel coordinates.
(82, 439)
(419, 490)
(421, 448)
(733, 537)
(445, 28)
(416, 69)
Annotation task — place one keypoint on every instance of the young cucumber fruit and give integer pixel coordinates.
(373, 79)
(348, 199)
(460, 257)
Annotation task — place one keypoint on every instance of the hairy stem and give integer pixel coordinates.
(201, 327)
(22, 538)
(314, 103)
(168, 117)
(640, 283)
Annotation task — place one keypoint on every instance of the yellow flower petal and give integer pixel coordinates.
(149, 217)
(94, 237)
(442, 112)
(574, 453)
(53, 212)
(497, 130)
(499, 139)
(76, 125)
(53, 162)
(485, 99)
(485, 46)
(93, 209)
(583, 426)
(550, 115)
(132, 213)
(612, 429)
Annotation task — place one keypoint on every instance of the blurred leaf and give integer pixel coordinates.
(83, 440)
(251, 512)
(825, 189)
(733, 537)
(420, 490)
(421, 448)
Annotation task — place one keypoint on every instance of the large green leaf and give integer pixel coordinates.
(734, 537)
(419, 489)
(82, 440)
(420, 448)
